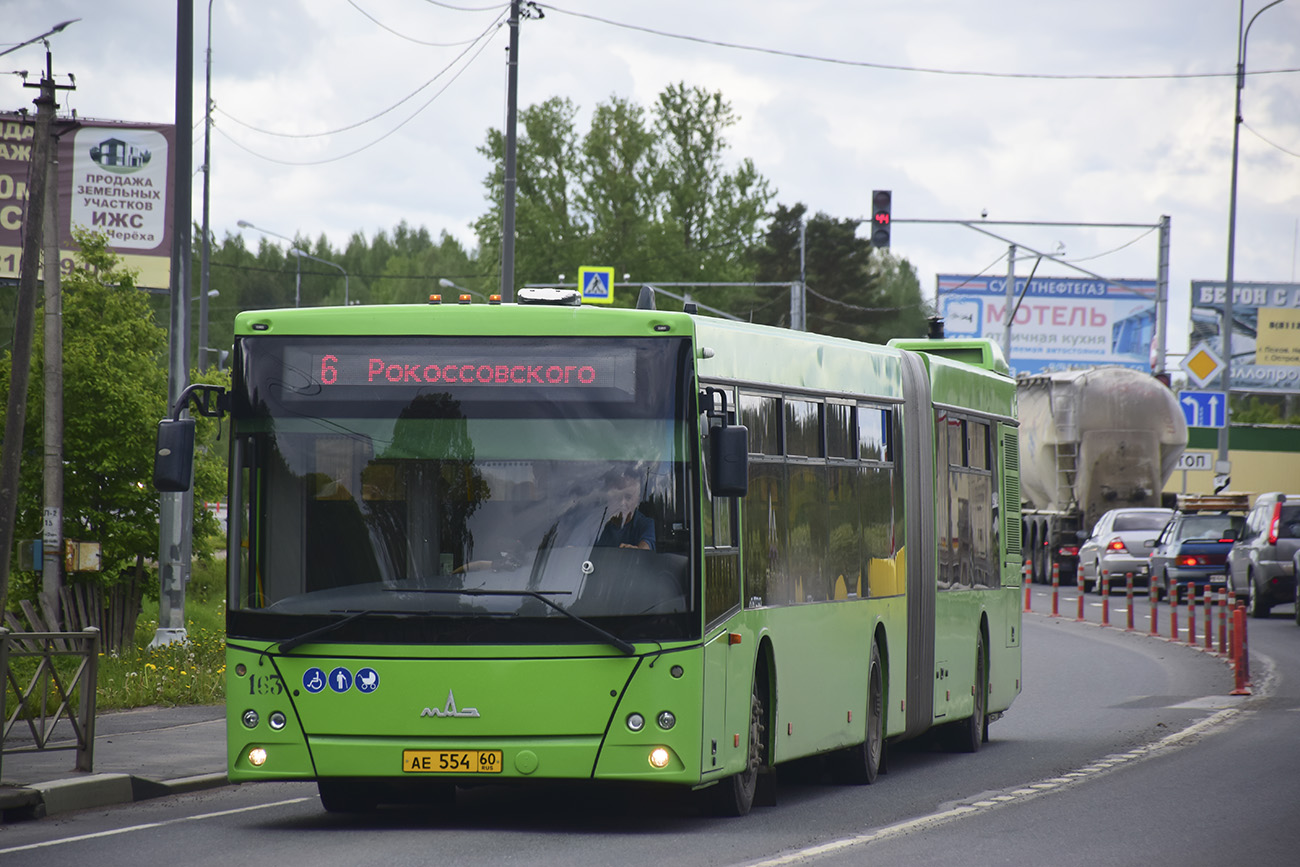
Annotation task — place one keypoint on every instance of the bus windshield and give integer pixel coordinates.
(456, 489)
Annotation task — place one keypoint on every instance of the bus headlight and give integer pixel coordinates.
(277, 720)
(659, 758)
(635, 722)
(667, 720)
(257, 757)
(250, 718)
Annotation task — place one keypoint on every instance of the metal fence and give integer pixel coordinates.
(49, 697)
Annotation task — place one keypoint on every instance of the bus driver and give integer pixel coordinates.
(623, 525)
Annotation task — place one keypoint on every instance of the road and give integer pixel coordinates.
(1122, 749)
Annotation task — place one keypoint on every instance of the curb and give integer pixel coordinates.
(95, 790)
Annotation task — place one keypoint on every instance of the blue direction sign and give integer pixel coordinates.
(1204, 408)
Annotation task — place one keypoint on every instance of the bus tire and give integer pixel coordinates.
(968, 734)
(861, 763)
(735, 795)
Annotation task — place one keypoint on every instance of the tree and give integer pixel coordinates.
(552, 236)
(853, 290)
(715, 213)
(646, 191)
(115, 391)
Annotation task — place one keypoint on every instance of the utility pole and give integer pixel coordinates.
(176, 510)
(1162, 300)
(207, 182)
(1011, 301)
(798, 293)
(25, 308)
(508, 203)
(24, 330)
(52, 488)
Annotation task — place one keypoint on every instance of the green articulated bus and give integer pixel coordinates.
(495, 543)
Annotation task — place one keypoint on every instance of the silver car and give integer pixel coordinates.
(1120, 543)
(1261, 567)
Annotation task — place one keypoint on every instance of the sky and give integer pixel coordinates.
(1027, 111)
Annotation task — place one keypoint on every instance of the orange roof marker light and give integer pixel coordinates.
(435, 299)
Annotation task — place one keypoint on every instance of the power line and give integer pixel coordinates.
(1267, 142)
(1116, 250)
(402, 35)
(487, 32)
(368, 145)
(892, 67)
(860, 308)
(456, 8)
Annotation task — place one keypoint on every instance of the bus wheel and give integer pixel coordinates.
(968, 734)
(862, 762)
(346, 796)
(735, 795)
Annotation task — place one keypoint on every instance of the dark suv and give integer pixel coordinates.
(1193, 549)
(1261, 567)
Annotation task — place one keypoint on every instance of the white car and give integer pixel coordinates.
(1121, 542)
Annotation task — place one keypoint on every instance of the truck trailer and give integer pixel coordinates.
(1090, 441)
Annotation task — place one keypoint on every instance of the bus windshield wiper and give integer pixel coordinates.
(290, 643)
(610, 638)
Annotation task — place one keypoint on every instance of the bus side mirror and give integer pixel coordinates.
(173, 459)
(729, 460)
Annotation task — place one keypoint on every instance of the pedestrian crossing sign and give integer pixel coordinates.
(596, 284)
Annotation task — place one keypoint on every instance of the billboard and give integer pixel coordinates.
(1265, 332)
(113, 178)
(1060, 323)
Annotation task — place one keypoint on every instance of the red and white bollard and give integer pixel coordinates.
(1191, 613)
(1240, 665)
(1105, 599)
(1223, 622)
(1056, 589)
(1128, 593)
(1209, 619)
(1079, 599)
(1151, 599)
(1173, 611)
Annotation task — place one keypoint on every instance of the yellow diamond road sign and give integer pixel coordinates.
(1202, 364)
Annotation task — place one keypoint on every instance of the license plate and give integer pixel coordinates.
(451, 761)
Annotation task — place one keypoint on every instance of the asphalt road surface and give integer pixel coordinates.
(1123, 749)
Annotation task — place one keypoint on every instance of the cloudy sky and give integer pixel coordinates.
(1110, 111)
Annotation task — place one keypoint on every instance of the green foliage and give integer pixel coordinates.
(189, 673)
(853, 290)
(1265, 409)
(645, 191)
(114, 391)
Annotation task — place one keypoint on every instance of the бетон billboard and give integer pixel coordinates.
(113, 178)
(1060, 324)
(1265, 333)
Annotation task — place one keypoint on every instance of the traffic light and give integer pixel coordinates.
(880, 218)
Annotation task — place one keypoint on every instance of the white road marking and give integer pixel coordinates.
(116, 831)
(986, 802)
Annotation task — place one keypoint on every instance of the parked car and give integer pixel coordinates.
(1261, 563)
(1193, 546)
(1120, 543)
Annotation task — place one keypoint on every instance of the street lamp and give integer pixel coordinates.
(1225, 328)
(299, 253)
(297, 280)
(447, 284)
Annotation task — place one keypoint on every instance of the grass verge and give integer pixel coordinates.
(193, 672)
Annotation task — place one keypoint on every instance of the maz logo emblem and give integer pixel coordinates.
(450, 709)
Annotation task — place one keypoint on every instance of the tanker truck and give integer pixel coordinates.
(1090, 441)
